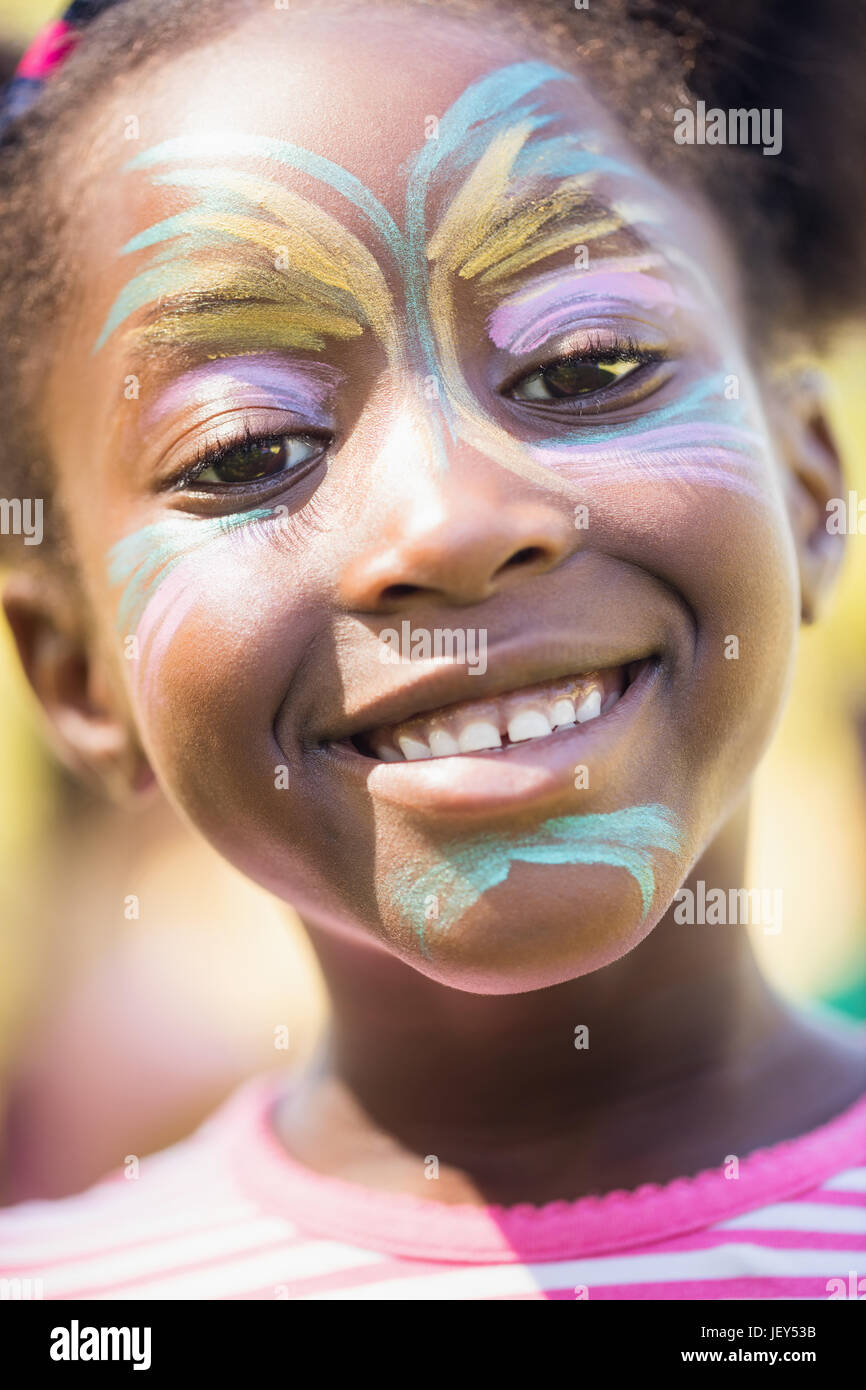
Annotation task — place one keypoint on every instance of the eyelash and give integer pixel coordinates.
(595, 350)
(211, 455)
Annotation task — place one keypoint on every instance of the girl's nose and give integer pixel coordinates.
(458, 548)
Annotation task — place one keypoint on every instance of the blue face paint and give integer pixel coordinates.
(143, 561)
(500, 101)
(465, 130)
(629, 839)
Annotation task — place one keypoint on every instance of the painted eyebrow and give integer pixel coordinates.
(519, 230)
(495, 123)
(529, 196)
(230, 250)
(496, 148)
(237, 317)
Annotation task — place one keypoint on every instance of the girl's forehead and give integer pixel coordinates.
(285, 137)
(365, 90)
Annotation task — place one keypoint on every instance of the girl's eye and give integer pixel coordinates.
(253, 460)
(572, 377)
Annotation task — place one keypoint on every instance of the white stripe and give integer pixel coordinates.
(240, 1277)
(99, 1200)
(799, 1216)
(852, 1180)
(68, 1218)
(722, 1262)
(106, 1270)
(141, 1227)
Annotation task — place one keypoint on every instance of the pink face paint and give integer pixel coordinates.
(564, 299)
(165, 614)
(264, 380)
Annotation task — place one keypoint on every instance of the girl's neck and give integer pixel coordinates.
(660, 1064)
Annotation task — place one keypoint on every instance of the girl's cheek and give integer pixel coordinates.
(193, 598)
(700, 441)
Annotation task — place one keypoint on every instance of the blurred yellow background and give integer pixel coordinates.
(117, 1035)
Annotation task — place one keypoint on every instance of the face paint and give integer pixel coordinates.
(487, 235)
(560, 301)
(489, 172)
(259, 380)
(627, 839)
(155, 566)
(488, 176)
(331, 285)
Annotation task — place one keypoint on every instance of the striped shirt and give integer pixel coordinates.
(228, 1214)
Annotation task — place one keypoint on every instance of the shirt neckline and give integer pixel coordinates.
(421, 1228)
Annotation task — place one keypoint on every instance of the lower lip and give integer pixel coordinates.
(516, 776)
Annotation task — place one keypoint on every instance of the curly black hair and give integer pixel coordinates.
(797, 221)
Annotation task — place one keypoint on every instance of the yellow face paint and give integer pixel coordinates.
(252, 265)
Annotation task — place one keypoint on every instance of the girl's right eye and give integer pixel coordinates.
(253, 460)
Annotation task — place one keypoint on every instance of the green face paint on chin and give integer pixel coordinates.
(629, 839)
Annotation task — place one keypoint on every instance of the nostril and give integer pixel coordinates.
(395, 592)
(529, 555)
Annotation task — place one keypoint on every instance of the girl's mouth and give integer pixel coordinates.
(494, 724)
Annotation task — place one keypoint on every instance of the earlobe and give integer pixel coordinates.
(89, 725)
(813, 480)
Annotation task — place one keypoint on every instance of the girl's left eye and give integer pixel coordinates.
(255, 460)
(573, 377)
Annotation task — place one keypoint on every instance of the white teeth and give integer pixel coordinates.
(386, 754)
(412, 748)
(480, 734)
(589, 707)
(529, 723)
(492, 723)
(563, 712)
(443, 744)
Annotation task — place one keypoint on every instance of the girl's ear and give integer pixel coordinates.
(813, 477)
(89, 723)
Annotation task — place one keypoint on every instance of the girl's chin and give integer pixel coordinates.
(542, 927)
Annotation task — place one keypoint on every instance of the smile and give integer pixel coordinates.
(495, 724)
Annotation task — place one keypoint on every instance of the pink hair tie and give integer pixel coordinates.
(48, 50)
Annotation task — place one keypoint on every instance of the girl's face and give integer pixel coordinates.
(417, 469)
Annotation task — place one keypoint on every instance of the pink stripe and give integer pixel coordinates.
(206, 1220)
(444, 1243)
(160, 622)
(762, 1286)
(746, 1235)
(352, 1277)
(422, 1229)
(345, 1280)
(838, 1199)
(48, 50)
(174, 1270)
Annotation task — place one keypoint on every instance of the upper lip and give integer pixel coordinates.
(510, 667)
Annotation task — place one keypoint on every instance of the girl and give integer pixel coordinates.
(430, 506)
